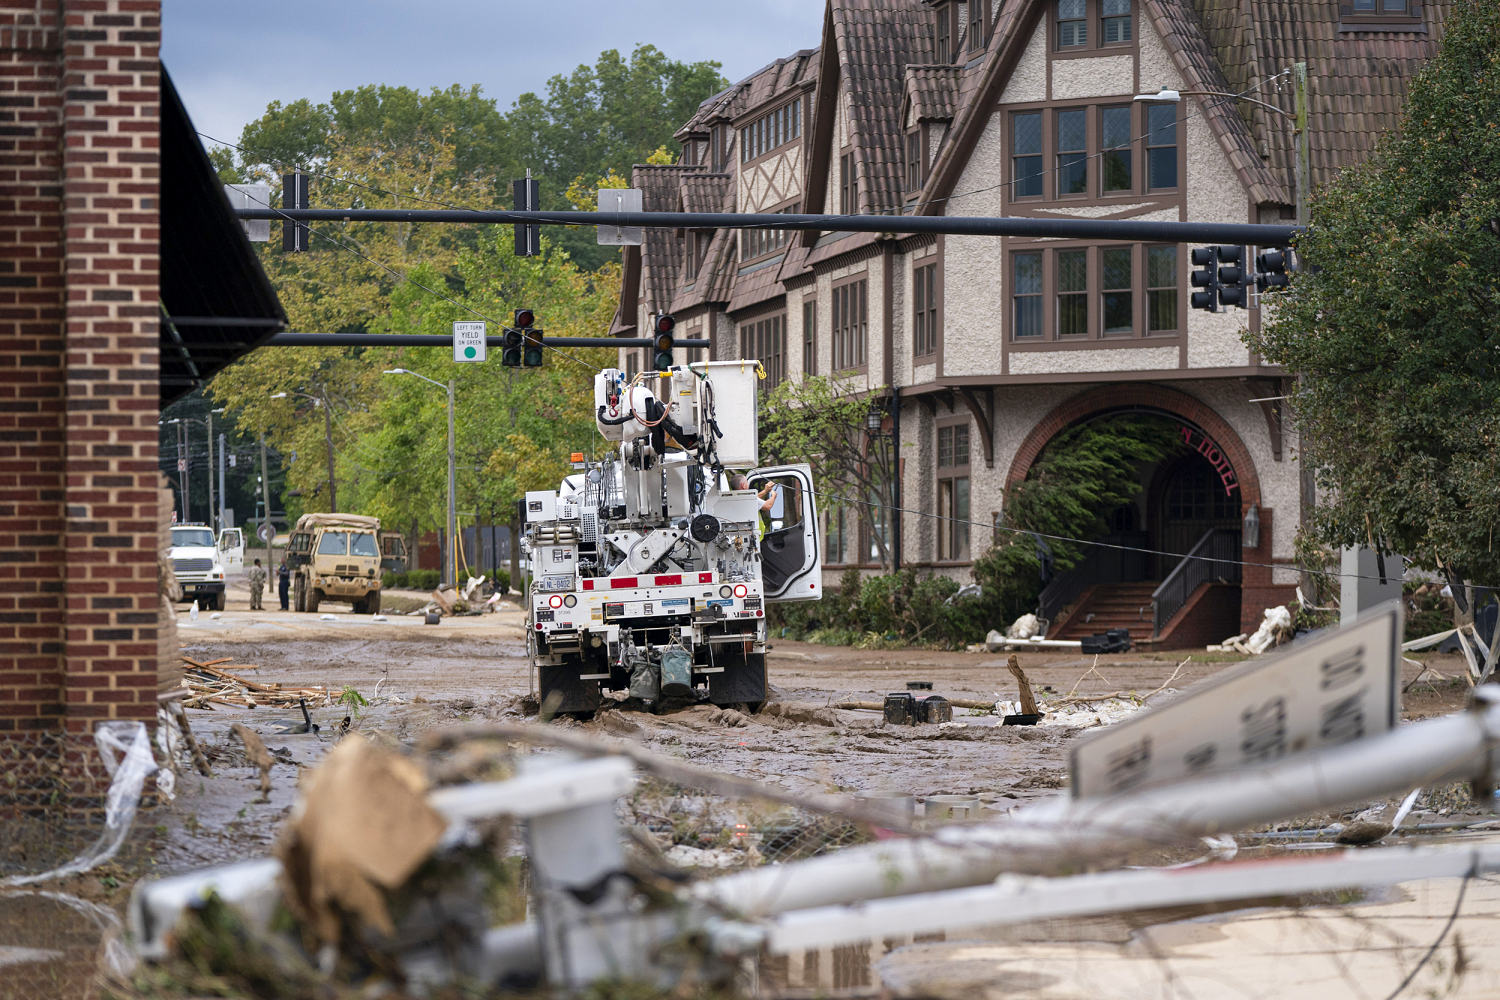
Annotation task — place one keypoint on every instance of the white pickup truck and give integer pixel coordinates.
(196, 564)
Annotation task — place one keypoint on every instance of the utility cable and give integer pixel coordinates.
(1113, 546)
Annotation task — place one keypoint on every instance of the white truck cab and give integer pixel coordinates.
(196, 564)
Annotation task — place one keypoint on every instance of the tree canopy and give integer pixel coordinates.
(1391, 324)
(592, 122)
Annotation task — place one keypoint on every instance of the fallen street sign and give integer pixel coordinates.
(1341, 686)
(468, 340)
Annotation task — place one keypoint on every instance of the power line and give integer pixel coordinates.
(1114, 546)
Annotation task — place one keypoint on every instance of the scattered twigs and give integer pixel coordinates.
(1093, 669)
(1071, 698)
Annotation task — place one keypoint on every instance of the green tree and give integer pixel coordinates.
(825, 421)
(1391, 324)
(1085, 473)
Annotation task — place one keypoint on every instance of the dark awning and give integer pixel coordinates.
(217, 303)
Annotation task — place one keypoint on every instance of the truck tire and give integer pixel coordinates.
(216, 601)
(372, 603)
(743, 681)
(358, 606)
(314, 598)
(299, 594)
(562, 693)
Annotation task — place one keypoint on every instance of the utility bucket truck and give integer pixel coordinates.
(651, 569)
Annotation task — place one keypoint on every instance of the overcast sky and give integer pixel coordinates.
(229, 60)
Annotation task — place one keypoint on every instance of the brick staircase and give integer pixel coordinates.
(1111, 605)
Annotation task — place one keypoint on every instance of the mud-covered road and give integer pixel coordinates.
(471, 669)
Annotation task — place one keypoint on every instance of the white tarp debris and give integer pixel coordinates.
(126, 750)
(1024, 627)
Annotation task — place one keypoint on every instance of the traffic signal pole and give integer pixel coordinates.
(1258, 234)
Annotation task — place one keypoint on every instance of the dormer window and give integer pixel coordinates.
(978, 22)
(1084, 25)
(1381, 15)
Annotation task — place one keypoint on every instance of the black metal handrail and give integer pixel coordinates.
(1101, 564)
(1215, 556)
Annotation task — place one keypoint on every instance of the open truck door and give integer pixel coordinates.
(392, 553)
(790, 554)
(232, 550)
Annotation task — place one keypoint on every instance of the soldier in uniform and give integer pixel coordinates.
(257, 585)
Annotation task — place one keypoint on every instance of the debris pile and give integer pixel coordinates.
(1275, 628)
(210, 684)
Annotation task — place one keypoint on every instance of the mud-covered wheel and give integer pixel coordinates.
(216, 601)
(360, 605)
(563, 692)
(299, 594)
(314, 598)
(372, 603)
(743, 681)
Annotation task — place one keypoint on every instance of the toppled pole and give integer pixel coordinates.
(1060, 833)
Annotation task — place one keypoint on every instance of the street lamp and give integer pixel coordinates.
(450, 557)
(321, 401)
(1298, 118)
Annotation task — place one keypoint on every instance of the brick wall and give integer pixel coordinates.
(79, 113)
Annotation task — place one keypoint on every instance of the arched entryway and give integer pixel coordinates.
(1196, 494)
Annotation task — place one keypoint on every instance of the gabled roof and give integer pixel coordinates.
(1357, 83)
(1357, 80)
(875, 41)
(766, 83)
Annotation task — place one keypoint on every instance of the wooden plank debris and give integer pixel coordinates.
(209, 684)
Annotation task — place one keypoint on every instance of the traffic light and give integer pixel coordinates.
(1206, 276)
(662, 340)
(534, 352)
(511, 341)
(1270, 266)
(516, 346)
(1231, 276)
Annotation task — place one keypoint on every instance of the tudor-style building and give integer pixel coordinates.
(987, 348)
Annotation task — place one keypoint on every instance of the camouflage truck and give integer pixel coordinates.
(339, 557)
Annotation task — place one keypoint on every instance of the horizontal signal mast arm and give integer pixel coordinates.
(949, 225)
(443, 340)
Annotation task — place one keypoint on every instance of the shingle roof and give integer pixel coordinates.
(766, 83)
(661, 249)
(932, 91)
(876, 40)
(705, 192)
(1357, 80)
(1201, 66)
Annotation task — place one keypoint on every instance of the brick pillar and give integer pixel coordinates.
(111, 160)
(31, 369)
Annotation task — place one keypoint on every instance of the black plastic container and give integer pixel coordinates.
(935, 708)
(901, 708)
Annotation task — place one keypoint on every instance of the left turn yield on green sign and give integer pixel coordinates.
(468, 340)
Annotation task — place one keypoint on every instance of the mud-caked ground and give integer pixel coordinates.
(403, 679)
